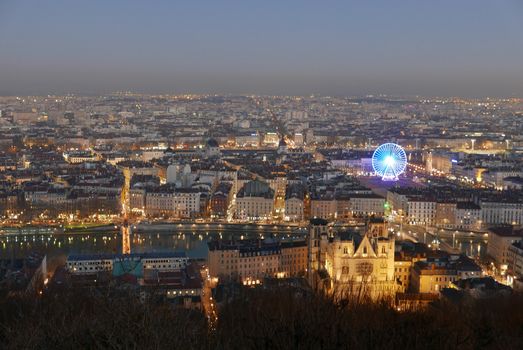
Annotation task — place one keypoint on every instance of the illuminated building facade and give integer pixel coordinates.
(250, 261)
(351, 262)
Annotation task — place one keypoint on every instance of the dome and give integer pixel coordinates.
(212, 143)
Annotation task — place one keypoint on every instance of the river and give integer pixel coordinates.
(191, 238)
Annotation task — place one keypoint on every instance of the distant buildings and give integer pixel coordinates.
(462, 209)
(77, 159)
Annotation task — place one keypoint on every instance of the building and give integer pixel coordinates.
(475, 288)
(293, 259)
(212, 148)
(166, 200)
(438, 162)
(89, 264)
(500, 240)
(352, 262)
(367, 205)
(323, 206)
(255, 201)
(252, 260)
(138, 264)
(501, 209)
(445, 216)
(468, 216)
(131, 168)
(437, 273)
(169, 275)
(75, 157)
(137, 200)
(515, 260)
(181, 287)
(221, 200)
(515, 265)
(407, 253)
(294, 202)
(421, 211)
(318, 228)
(513, 183)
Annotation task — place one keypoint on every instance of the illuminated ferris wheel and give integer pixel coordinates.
(389, 161)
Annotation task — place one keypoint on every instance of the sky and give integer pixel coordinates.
(469, 48)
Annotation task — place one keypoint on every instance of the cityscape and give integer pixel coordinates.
(139, 219)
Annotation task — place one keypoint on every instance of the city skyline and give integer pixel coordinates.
(470, 49)
(243, 175)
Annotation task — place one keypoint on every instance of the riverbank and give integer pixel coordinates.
(156, 227)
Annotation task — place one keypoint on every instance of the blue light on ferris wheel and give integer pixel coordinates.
(389, 161)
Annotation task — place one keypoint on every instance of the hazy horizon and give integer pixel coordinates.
(339, 48)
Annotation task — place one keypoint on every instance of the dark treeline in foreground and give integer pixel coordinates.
(76, 319)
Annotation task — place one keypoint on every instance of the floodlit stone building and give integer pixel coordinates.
(352, 262)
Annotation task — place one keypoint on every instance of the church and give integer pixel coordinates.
(351, 262)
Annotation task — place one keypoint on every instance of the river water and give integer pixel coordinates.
(189, 238)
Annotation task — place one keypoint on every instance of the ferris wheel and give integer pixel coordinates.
(389, 161)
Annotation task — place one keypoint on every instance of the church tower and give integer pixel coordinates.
(318, 230)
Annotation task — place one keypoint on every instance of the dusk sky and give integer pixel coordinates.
(431, 48)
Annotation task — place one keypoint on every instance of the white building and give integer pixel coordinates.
(172, 174)
(165, 200)
(421, 211)
(89, 264)
(468, 216)
(255, 201)
(76, 157)
(367, 205)
(164, 262)
(501, 212)
(515, 260)
(294, 203)
(500, 239)
(323, 207)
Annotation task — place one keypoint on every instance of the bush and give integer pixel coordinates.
(257, 319)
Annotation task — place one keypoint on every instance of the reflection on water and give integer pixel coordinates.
(193, 243)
